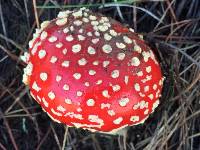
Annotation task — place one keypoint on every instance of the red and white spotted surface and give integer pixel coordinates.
(89, 71)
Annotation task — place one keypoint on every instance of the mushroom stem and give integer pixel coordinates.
(122, 132)
(119, 132)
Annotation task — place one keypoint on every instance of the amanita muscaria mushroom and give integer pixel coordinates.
(87, 70)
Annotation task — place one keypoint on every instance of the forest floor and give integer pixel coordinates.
(171, 27)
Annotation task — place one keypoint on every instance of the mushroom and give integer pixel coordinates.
(89, 71)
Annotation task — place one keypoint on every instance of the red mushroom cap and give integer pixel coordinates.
(89, 71)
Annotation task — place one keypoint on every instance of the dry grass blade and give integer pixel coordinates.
(56, 137)
(21, 110)
(2, 147)
(9, 131)
(119, 12)
(184, 53)
(34, 24)
(164, 15)
(36, 14)
(92, 4)
(13, 56)
(17, 100)
(2, 20)
(43, 139)
(22, 115)
(95, 142)
(197, 79)
(65, 138)
(194, 135)
(139, 8)
(12, 42)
